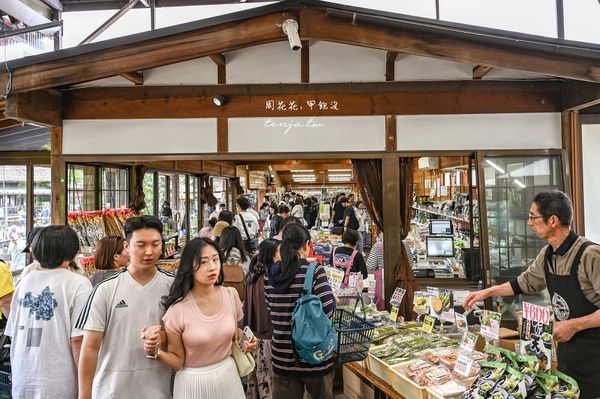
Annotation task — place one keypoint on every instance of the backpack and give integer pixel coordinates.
(313, 334)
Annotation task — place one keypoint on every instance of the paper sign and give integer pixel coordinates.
(371, 287)
(335, 277)
(449, 316)
(353, 280)
(397, 296)
(463, 365)
(394, 313)
(469, 340)
(428, 324)
(461, 322)
(441, 301)
(421, 302)
(490, 325)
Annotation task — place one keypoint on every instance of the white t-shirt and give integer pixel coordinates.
(251, 224)
(44, 309)
(120, 307)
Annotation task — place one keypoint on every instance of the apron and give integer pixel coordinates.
(580, 357)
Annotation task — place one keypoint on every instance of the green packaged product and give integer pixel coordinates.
(491, 373)
(511, 386)
(567, 387)
(529, 367)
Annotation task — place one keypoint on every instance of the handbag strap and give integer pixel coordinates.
(234, 314)
(245, 228)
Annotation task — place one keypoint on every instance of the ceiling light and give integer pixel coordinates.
(345, 176)
(519, 183)
(493, 165)
(302, 176)
(220, 100)
(340, 170)
(302, 170)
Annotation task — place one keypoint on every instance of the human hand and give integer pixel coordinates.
(473, 298)
(337, 300)
(151, 337)
(250, 346)
(564, 330)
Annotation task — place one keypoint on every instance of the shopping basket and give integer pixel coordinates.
(5, 382)
(354, 333)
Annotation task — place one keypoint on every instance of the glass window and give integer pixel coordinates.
(115, 187)
(181, 209)
(13, 214)
(193, 206)
(149, 193)
(41, 196)
(163, 190)
(81, 188)
(510, 185)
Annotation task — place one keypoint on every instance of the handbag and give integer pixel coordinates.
(244, 361)
(234, 277)
(252, 242)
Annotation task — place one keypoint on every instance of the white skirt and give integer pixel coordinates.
(217, 381)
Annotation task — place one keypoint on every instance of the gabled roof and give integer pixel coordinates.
(318, 20)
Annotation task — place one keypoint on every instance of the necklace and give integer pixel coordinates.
(201, 300)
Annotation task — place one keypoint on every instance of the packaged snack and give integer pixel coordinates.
(511, 386)
(567, 387)
(436, 375)
(529, 367)
(491, 374)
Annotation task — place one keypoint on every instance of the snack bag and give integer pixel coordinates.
(491, 374)
(567, 387)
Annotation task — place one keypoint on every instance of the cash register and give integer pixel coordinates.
(440, 260)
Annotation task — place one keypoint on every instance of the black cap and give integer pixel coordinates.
(30, 237)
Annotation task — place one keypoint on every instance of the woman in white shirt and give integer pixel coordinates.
(233, 248)
(298, 210)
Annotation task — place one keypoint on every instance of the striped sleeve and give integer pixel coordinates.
(322, 289)
(95, 313)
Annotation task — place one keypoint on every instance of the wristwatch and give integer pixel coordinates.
(155, 356)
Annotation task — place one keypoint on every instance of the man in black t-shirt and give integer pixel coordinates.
(350, 220)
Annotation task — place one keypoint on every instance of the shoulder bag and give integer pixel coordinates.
(244, 361)
(252, 242)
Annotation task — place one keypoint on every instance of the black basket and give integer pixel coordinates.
(5, 382)
(354, 335)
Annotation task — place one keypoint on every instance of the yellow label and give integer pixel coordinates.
(394, 313)
(428, 324)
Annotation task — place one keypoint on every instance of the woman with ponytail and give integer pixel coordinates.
(284, 282)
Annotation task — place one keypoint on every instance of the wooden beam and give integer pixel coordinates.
(305, 62)
(138, 56)
(297, 165)
(251, 100)
(480, 71)
(58, 177)
(571, 134)
(222, 135)
(391, 227)
(6, 123)
(390, 65)
(116, 16)
(218, 58)
(578, 96)
(317, 25)
(42, 107)
(391, 133)
(134, 77)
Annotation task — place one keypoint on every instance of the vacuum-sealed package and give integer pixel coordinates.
(491, 374)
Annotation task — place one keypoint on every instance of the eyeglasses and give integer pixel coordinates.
(533, 217)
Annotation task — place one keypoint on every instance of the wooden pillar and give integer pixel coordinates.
(58, 178)
(391, 208)
(571, 137)
(222, 135)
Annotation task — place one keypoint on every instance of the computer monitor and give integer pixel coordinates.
(440, 247)
(440, 227)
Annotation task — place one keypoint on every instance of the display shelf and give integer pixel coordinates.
(452, 217)
(169, 251)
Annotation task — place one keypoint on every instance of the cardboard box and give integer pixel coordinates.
(354, 388)
(509, 339)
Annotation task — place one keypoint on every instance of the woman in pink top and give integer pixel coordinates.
(200, 327)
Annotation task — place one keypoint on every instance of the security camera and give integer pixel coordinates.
(290, 27)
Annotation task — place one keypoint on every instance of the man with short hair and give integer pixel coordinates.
(220, 208)
(350, 221)
(569, 266)
(45, 346)
(246, 223)
(118, 309)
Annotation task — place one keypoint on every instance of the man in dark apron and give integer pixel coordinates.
(570, 268)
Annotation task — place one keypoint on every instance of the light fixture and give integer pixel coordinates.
(302, 170)
(344, 175)
(220, 100)
(493, 165)
(519, 183)
(290, 28)
(340, 170)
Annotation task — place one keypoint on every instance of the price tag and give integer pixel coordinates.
(428, 324)
(397, 296)
(394, 313)
(335, 277)
(463, 365)
(461, 322)
(469, 340)
(490, 325)
(449, 316)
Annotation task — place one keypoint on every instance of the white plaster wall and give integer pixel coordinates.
(266, 63)
(480, 131)
(194, 72)
(307, 134)
(332, 63)
(590, 143)
(413, 67)
(140, 136)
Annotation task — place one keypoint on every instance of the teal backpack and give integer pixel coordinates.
(312, 331)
